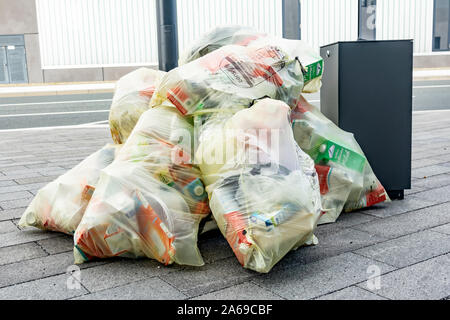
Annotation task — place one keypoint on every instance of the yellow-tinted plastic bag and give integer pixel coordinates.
(217, 38)
(131, 97)
(264, 192)
(60, 205)
(310, 60)
(150, 200)
(347, 181)
(231, 78)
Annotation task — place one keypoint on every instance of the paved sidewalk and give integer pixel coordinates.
(407, 241)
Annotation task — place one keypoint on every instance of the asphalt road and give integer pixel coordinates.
(67, 110)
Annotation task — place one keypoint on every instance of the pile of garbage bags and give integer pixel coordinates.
(225, 139)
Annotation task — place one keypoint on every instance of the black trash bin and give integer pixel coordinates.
(367, 90)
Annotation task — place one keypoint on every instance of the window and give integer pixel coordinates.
(441, 26)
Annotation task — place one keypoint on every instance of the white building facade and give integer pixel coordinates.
(118, 35)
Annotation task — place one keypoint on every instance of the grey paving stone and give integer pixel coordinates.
(15, 176)
(413, 190)
(34, 192)
(150, 289)
(15, 204)
(410, 249)
(351, 293)
(16, 223)
(33, 269)
(76, 159)
(7, 226)
(349, 219)
(11, 214)
(307, 281)
(194, 281)
(20, 252)
(333, 241)
(24, 162)
(403, 224)
(6, 162)
(23, 187)
(243, 291)
(52, 173)
(7, 183)
(388, 209)
(214, 247)
(51, 288)
(63, 243)
(420, 163)
(45, 179)
(429, 171)
(425, 280)
(121, 272)
(15, 169)
(16, 157)
(14, 195)
(415, 164)
(438, 195)
(23, 236)
(68, 164)
(445, 228)
(42, 165)
(51, 170)
(440, 180)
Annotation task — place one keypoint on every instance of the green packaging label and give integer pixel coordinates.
(331, 151)
(313, 70)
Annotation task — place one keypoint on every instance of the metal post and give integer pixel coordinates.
(166, 17)
(291, 19)
(367, 10)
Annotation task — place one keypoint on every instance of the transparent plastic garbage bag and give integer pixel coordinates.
(264, 191)
(347, 181)
(229, 79)
(310, 60)
(217, 38)
(150, 200)
(60, 205)
(131, 98)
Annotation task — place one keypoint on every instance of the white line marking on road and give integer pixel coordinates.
(437, 86)
(51, 102)
(95, 122)
(78, 126)
(50, 113)
(428, 111)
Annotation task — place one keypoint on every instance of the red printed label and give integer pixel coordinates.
(235, 233)
(323, 173)
(177, 97)
(376, 196)
(148, 92)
